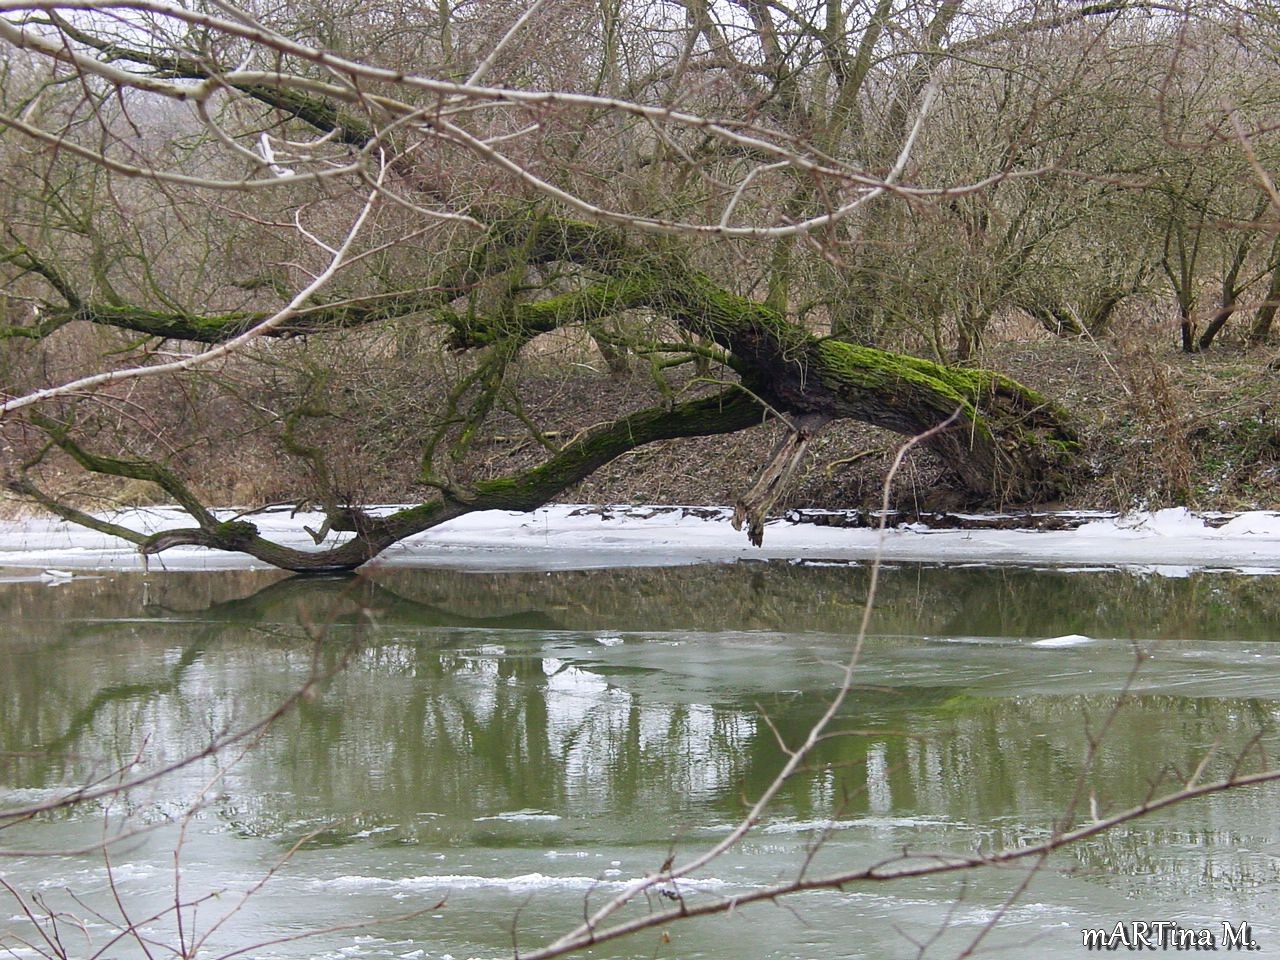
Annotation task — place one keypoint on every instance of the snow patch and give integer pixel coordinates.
(1171, 542)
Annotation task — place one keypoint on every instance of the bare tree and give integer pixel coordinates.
(690, 184)
(506, 211)
(228, 221)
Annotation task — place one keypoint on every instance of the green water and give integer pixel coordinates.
(501, 749)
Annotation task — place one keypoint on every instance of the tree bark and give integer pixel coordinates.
(1008, 444)
(1262, 320)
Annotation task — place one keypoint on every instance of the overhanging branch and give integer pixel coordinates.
(725, 412)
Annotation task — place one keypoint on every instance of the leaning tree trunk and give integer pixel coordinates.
(1004, 443)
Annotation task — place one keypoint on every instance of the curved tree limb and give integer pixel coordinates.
(1008, 444)
(725, 412)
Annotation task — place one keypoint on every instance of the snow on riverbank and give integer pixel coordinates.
(1171, 542)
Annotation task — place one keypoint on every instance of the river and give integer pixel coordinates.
(484, 754)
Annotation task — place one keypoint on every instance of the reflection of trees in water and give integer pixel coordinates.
(430, 718)
(101, 655)
(914, 599)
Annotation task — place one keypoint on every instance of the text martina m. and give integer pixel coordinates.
(1169, 935)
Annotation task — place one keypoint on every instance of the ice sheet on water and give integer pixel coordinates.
(1070, 640)
(518, 815)
(523, 882)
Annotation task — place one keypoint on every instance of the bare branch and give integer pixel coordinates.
(288, 312)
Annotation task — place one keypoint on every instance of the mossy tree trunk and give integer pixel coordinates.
(726, 412)
(1007, 444)
(1004, 443)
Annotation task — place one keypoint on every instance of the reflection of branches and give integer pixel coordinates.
(356, 598)
(1092, 754)
(907, 866)
(350, 600)
(218, 745)
(49, 924)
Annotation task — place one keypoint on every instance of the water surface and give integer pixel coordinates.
(501, 749)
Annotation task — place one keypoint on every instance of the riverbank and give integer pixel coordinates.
(1158, 429)
(1170, 542)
